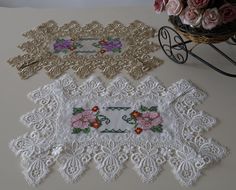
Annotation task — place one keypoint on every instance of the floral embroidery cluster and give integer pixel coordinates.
(104, 45)
(65, 45)
(109, 44)
(145, 119)
(83, 119)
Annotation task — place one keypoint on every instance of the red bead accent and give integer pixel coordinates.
(138, 130)
(95, 108)
(136, 114)
(72, 48)
(103, 51)
(102, 42)
(96, 124)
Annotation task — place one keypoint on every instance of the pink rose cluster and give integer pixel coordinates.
(207, 14)
(83, 120)
(149, 119)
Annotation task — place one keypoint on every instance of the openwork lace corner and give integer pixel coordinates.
(84, 49)
(147, 124)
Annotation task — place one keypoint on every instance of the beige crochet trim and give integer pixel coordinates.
(134, 57)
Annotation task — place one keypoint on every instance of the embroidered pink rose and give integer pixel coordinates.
(148, 120)
(228, 13)
(174, 7)
(198, 4)
(159, 5)
(211, 18)
(83, 119)
(191, 16)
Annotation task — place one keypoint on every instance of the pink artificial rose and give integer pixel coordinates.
(191, 16)
(211, 18)
(227, 12)
(82, 120)
(149, 120)
(198, 4)
(159, 5)
(174, 7)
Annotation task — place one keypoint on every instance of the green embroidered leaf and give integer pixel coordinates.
(143, 108)
(77, 110)
(158, 129)
(153, 108)
(86, 130)
(76, 130)
(97, 114)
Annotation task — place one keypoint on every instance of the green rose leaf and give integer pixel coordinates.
(76, 130)
(143, 108)
(157, 129)
(153, 108)
(77, 110)
(86, 130)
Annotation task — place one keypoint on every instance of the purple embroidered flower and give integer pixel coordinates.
(82, 120)
(110, 45)
(149, 119)
(62, 45)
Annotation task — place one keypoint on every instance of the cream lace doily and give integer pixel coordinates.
(147, 124)
(86, 49)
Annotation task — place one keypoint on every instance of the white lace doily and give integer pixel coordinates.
(147, 124)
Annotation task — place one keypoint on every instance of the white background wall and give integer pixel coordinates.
(72, 3)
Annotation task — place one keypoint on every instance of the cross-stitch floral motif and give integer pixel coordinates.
(149, 119)
(83, 119)
(109, 44)
(65, 45)
(145, 119)
(102, 45)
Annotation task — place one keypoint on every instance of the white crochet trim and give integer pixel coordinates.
(181, 143)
